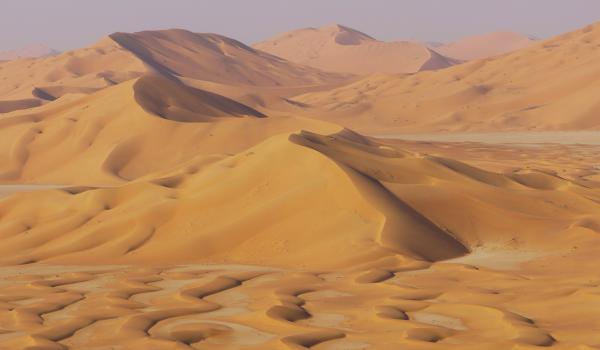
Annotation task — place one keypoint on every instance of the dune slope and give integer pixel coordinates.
(341, 49)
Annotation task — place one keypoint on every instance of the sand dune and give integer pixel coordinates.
(485, 46)
(129, 130)
(341, 49)
(280, 177)
(380, 203)
(551, 85)
(176, 191)
(124, 56)
(528, 292)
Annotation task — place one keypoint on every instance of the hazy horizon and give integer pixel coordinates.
(68, 24)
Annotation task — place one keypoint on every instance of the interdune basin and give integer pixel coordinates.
(177, 190)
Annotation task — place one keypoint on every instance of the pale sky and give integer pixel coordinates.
(68, 24)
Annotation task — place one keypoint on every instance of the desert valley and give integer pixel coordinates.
(320, 189)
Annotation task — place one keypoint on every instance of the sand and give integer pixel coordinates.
(124, 56)
(175, 190)
(444, 306)
(337, 48)
(551, 86)
(533, 290)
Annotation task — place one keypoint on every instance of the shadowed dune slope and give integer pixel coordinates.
(298, 198)
(124, 56)
(484, 46)
(341, 49)
(173, 100)
(552, 85)
(128, 130)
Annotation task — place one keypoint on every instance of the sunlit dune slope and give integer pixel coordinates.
(126, 131)
(484, 46)
(296, 200)
(341, 49)
(552, 85)
(122, 56)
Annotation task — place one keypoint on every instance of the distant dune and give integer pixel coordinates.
(124, 56)
(341, 49)
(551, 85)
(484, 46)
(33, 51)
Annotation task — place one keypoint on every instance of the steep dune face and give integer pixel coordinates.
(474, 206)
(341, 49)
(485, 46)
(126, 131)
(175, 101)
(124, 56)
(298, 198)
(550, 86)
